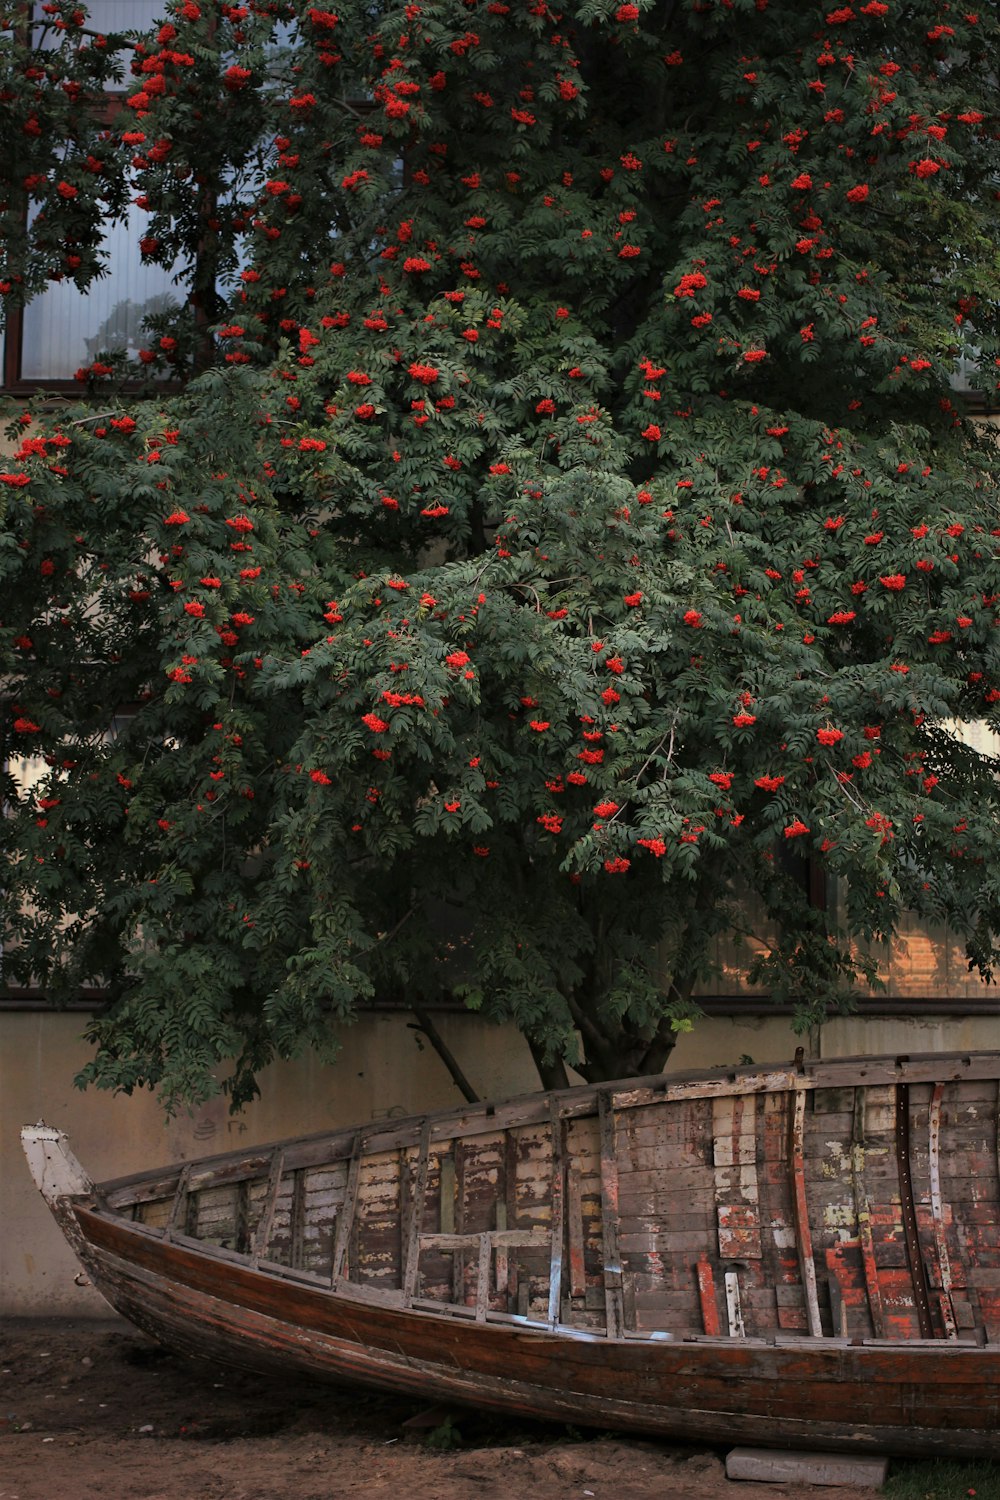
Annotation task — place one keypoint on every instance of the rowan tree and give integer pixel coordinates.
(558, 520)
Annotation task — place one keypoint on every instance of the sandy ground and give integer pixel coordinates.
(95, 1411)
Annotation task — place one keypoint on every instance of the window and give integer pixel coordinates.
(64, 329)
(105, 16)
(967, 366)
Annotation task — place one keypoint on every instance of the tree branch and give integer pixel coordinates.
(444, 1052)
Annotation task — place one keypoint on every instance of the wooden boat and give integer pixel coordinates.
(807, 1255)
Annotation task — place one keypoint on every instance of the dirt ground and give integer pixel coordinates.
(96, 1411)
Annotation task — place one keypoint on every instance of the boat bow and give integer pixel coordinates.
(58, 1175)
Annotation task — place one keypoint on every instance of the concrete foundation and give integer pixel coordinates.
(781, 1466)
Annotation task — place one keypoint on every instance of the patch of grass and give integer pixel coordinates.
(445, 1437)
(942, 1479)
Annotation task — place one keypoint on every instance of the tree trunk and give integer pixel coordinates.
(551, 1070)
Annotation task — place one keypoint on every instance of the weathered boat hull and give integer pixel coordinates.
(944, 1399)
(829, 1388)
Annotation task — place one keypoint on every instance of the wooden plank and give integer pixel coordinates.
(911, 1238)
(483, 1277)
(737, 1191)
(262, 1233)
(149, 1191)
(447, 1182)
(179, 1209)
(862, 1210)
(208, 1175)
(510, 1198)
(405, 1208)
(628, 1306)
(733, 1306)
(500, 1217)
(450, 1241)
(523, 1238)
(241, 1217)
(447, 1204)
(708, 1086)
(411, 1261)
(458, 1259)
(800, 1214)
(558, 1209)
(925, 1067)
(937, 1210)
(738, 1231)
(574, 1215)
(838, 1072)
(706, 1296)
(506, 1238)
(345, 1218)
(614, 1304)
(297, 1221)
(734, 1132)
(838, 1309)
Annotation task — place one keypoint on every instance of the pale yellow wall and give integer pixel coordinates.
(382, 1071)
(849, 1036)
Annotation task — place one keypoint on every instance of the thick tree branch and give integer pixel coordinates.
(426, 1024)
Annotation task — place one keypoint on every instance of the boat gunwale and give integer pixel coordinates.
(577, 1101)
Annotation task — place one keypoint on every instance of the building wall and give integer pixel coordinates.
(384, 1070)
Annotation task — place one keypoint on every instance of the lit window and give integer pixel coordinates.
(105, 16)
(64, 329)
